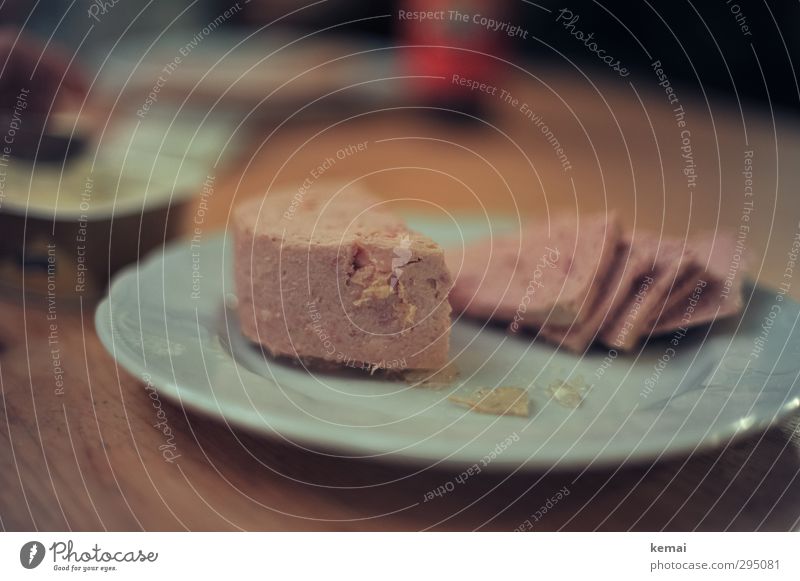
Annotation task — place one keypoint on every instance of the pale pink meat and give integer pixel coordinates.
(718, 281)
(580, 284)
(336, 277)
(667, 263)
(550, 274)
(630, 264)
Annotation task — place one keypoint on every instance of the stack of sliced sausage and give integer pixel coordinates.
(577, 280)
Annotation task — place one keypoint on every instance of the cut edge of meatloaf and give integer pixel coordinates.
(342, 280)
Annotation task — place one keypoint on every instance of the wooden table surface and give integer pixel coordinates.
(88, 459)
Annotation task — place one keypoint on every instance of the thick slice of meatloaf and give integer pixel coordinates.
(336, 277)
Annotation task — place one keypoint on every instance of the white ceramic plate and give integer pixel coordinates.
(711, 389)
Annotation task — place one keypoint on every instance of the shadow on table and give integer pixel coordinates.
(747, 485)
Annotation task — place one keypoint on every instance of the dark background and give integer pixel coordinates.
(700, 43)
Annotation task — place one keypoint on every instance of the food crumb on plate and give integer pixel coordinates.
(499, 401)
(566, 393)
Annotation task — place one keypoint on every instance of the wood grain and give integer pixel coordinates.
(89, 458)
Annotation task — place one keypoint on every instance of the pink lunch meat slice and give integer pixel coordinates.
(668, 263)
(545, 275)
(630, 264)
(717, 291)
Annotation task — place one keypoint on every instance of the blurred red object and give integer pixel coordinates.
(446, 38)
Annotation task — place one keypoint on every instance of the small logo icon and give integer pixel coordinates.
(31, 554)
